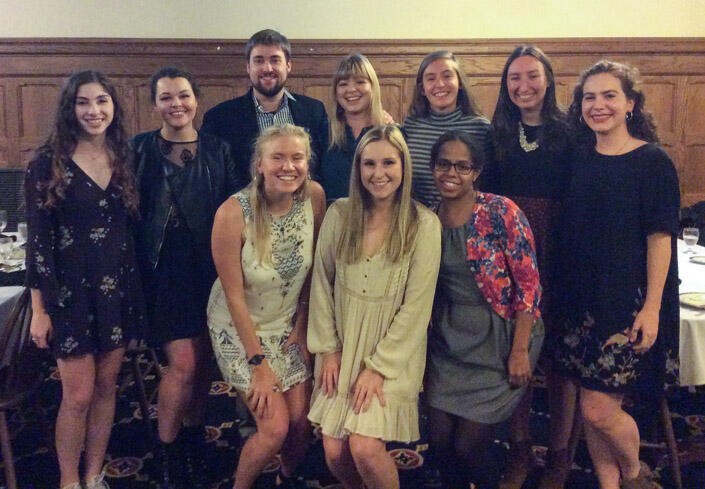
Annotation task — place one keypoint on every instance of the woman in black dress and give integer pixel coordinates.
(81, 265)
(531, 167)
(182, 177)
(619, 274)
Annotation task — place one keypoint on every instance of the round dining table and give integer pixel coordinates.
(692, 320)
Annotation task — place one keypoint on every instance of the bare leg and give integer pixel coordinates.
(298, 438)
(562, 396)
(261, 447)
(102, 410)
(176, 387)
(376, 467)
(340, 462)
(77, 381)
(608, 426)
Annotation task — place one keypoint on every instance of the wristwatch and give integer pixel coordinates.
(256, 359)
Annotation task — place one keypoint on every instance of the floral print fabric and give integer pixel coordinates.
(81, 257)
(500, 251)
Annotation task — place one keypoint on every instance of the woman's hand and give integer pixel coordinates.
(297, 337)
(40, 329)
(368, 384)
(519, 368)
(263, 386)
(646, 322)
(330, 370)
(387, 117)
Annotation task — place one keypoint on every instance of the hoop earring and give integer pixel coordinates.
(581, 118)
(629, 116)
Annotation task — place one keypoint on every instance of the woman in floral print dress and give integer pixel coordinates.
(86, 294)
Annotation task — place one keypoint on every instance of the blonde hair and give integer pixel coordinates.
(350, 66)
(261, 220)
(419, 103)
(404, 225)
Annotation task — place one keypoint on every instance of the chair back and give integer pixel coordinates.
(21, 361)
(11, 195)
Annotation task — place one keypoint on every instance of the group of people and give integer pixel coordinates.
(337, 269)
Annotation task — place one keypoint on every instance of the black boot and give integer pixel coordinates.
(193, 446)
(171, 474)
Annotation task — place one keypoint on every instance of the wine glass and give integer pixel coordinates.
(690, 236)
(3, 220)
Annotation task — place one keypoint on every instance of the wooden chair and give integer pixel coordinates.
(20, 373)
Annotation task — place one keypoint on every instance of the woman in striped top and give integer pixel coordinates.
(441, 102)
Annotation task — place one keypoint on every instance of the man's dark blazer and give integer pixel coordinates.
(235, 121)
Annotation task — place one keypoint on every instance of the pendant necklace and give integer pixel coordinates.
(525, 145)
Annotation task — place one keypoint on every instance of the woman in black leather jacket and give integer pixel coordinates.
(182, 177)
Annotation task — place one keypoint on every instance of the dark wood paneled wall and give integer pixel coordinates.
(33, 70)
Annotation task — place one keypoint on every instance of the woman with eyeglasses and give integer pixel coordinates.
(486, 331)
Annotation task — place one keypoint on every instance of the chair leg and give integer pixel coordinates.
(576, 432)
(141, 394)
(6, 445)
(667, 425)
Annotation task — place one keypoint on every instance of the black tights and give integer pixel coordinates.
(459, 450)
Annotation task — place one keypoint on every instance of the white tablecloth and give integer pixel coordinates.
(692, 327)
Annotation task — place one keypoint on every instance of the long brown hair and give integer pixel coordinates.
(640, 125)
(67, 131)
(419, 103)
(505, 121)
(404, 226)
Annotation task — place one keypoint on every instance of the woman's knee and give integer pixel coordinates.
(274, 428)
(182, 362)
(366, 450)
(598, 409)
(337, 452)
(77, 399)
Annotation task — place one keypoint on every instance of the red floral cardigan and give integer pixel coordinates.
(501, 254)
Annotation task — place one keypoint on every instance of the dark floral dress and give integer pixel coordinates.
(613, 204)
(81, 257)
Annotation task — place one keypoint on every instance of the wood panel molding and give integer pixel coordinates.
(33, 70)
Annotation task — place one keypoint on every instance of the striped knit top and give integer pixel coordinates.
(422, 133)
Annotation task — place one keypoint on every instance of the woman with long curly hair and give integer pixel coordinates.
(619, 279)
(531, 167)
(80, 196)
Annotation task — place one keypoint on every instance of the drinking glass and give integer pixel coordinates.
(5, 248)
(690, 236)
(22, 231)
(3, 220)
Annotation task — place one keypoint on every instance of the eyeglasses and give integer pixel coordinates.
(462, 167)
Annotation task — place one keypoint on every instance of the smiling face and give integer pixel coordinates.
(604, 104)
(175, 102)
(526, 83)
(268, 69)
(452, 184)
(354, 94)
(440, 86)
(381, 170)
(283, 165)
(94, 109)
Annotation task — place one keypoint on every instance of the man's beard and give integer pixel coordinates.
(270, 92)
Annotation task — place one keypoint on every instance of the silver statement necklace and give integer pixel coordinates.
(526, 145)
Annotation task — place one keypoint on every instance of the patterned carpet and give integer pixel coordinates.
(131, 463)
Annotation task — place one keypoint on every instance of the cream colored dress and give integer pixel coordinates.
(377, 313)
(272, 296)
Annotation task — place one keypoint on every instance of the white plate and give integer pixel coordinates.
(700, 259)
(693, 299)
